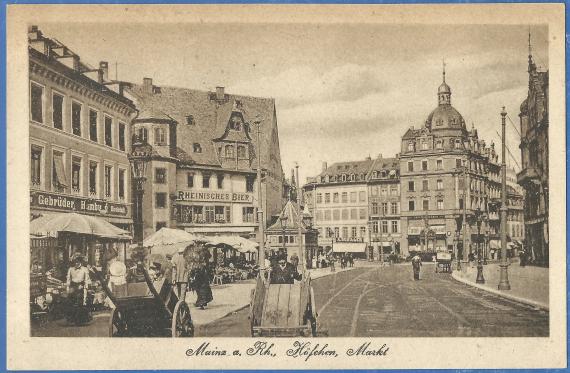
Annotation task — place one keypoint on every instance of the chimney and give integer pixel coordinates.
(293, 177)
(220, 95)
(147, 85)
(103, 71)
(34, 33)
(324, 166)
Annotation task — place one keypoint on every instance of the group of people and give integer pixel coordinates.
(192, 275)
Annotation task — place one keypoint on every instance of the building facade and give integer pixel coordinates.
(205, 152)
(338, 201)
(384, 207)
(444, 177)
(533, 176)
(79, 136)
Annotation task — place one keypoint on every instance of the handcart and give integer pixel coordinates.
(283, 310)
(149, 308)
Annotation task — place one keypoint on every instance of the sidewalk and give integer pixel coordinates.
(230, 298)
(529, 284)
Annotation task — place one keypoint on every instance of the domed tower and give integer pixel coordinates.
(444, 116)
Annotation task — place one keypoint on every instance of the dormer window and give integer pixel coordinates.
(457, 144)
(190, 120)
(424, 145)
(142, 134)
(159, 136)
(439, 144)
(235, 122)
(375, 175)
(439, 122)
(241, 151)
(197, 148)
(229, 151)
(411, 146)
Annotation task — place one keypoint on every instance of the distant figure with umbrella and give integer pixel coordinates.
(416, 265)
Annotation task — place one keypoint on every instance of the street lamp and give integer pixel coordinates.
(479, 217)
(458, 223)
(260, 218)
(139, 158)
(504, 274)
(487, 232)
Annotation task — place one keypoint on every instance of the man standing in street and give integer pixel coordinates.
(416, 265)
(284, 272)
(180, 273)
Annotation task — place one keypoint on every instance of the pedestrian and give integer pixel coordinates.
(350, 260)
(416, 265)
(343, 262)
(284, 272)
(523, 258)
(199, 281)
(180, 273)
(117, 273)
(295, 260)
(331, 262)
(77, 282)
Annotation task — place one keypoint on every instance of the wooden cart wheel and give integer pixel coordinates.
(182, 325)
(117, 323)
(313, 313)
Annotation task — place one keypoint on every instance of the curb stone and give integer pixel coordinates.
(526, 301)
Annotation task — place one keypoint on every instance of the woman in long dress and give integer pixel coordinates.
(200, 282)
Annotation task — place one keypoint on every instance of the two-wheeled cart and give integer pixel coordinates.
(149, 308)
(283, 310)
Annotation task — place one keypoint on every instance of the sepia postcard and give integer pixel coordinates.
(286, 186)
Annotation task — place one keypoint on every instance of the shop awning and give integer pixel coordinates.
(59, 170)
(168, 240)
(51, 225)
(349, 247)
(243, 245)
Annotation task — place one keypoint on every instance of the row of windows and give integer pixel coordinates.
(394, 208)
(59, 179)
(342, 177)
(341, 214)
(343, 232)
(426, 205)
(424, 144)
(341, 197)
(37, 114)
(160, 177)
(283, 239)
(425, 185)
(394, 191)
(208, 214)
(386, 226)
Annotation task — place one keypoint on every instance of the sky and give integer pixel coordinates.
(342, 92)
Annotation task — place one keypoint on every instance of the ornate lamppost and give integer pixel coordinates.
(479, 220)
(139, 158)
(504, 274)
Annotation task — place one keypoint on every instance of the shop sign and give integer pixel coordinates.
(438, 229)
(414, 231)
(208, 196)
(76, 204)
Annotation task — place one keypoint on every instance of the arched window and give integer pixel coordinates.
(241, 151)
(229, 150)
(142, 134)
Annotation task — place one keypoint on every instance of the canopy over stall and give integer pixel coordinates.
(349, 247)
(168, 241)
(51, 225)
(238, 243)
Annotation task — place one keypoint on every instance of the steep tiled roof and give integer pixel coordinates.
(387, 164)
(209, 118)
(290, 217)
(347, 168)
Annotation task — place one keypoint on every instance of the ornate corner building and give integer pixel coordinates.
(534, 153)
(204, 149)
(444, 176)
